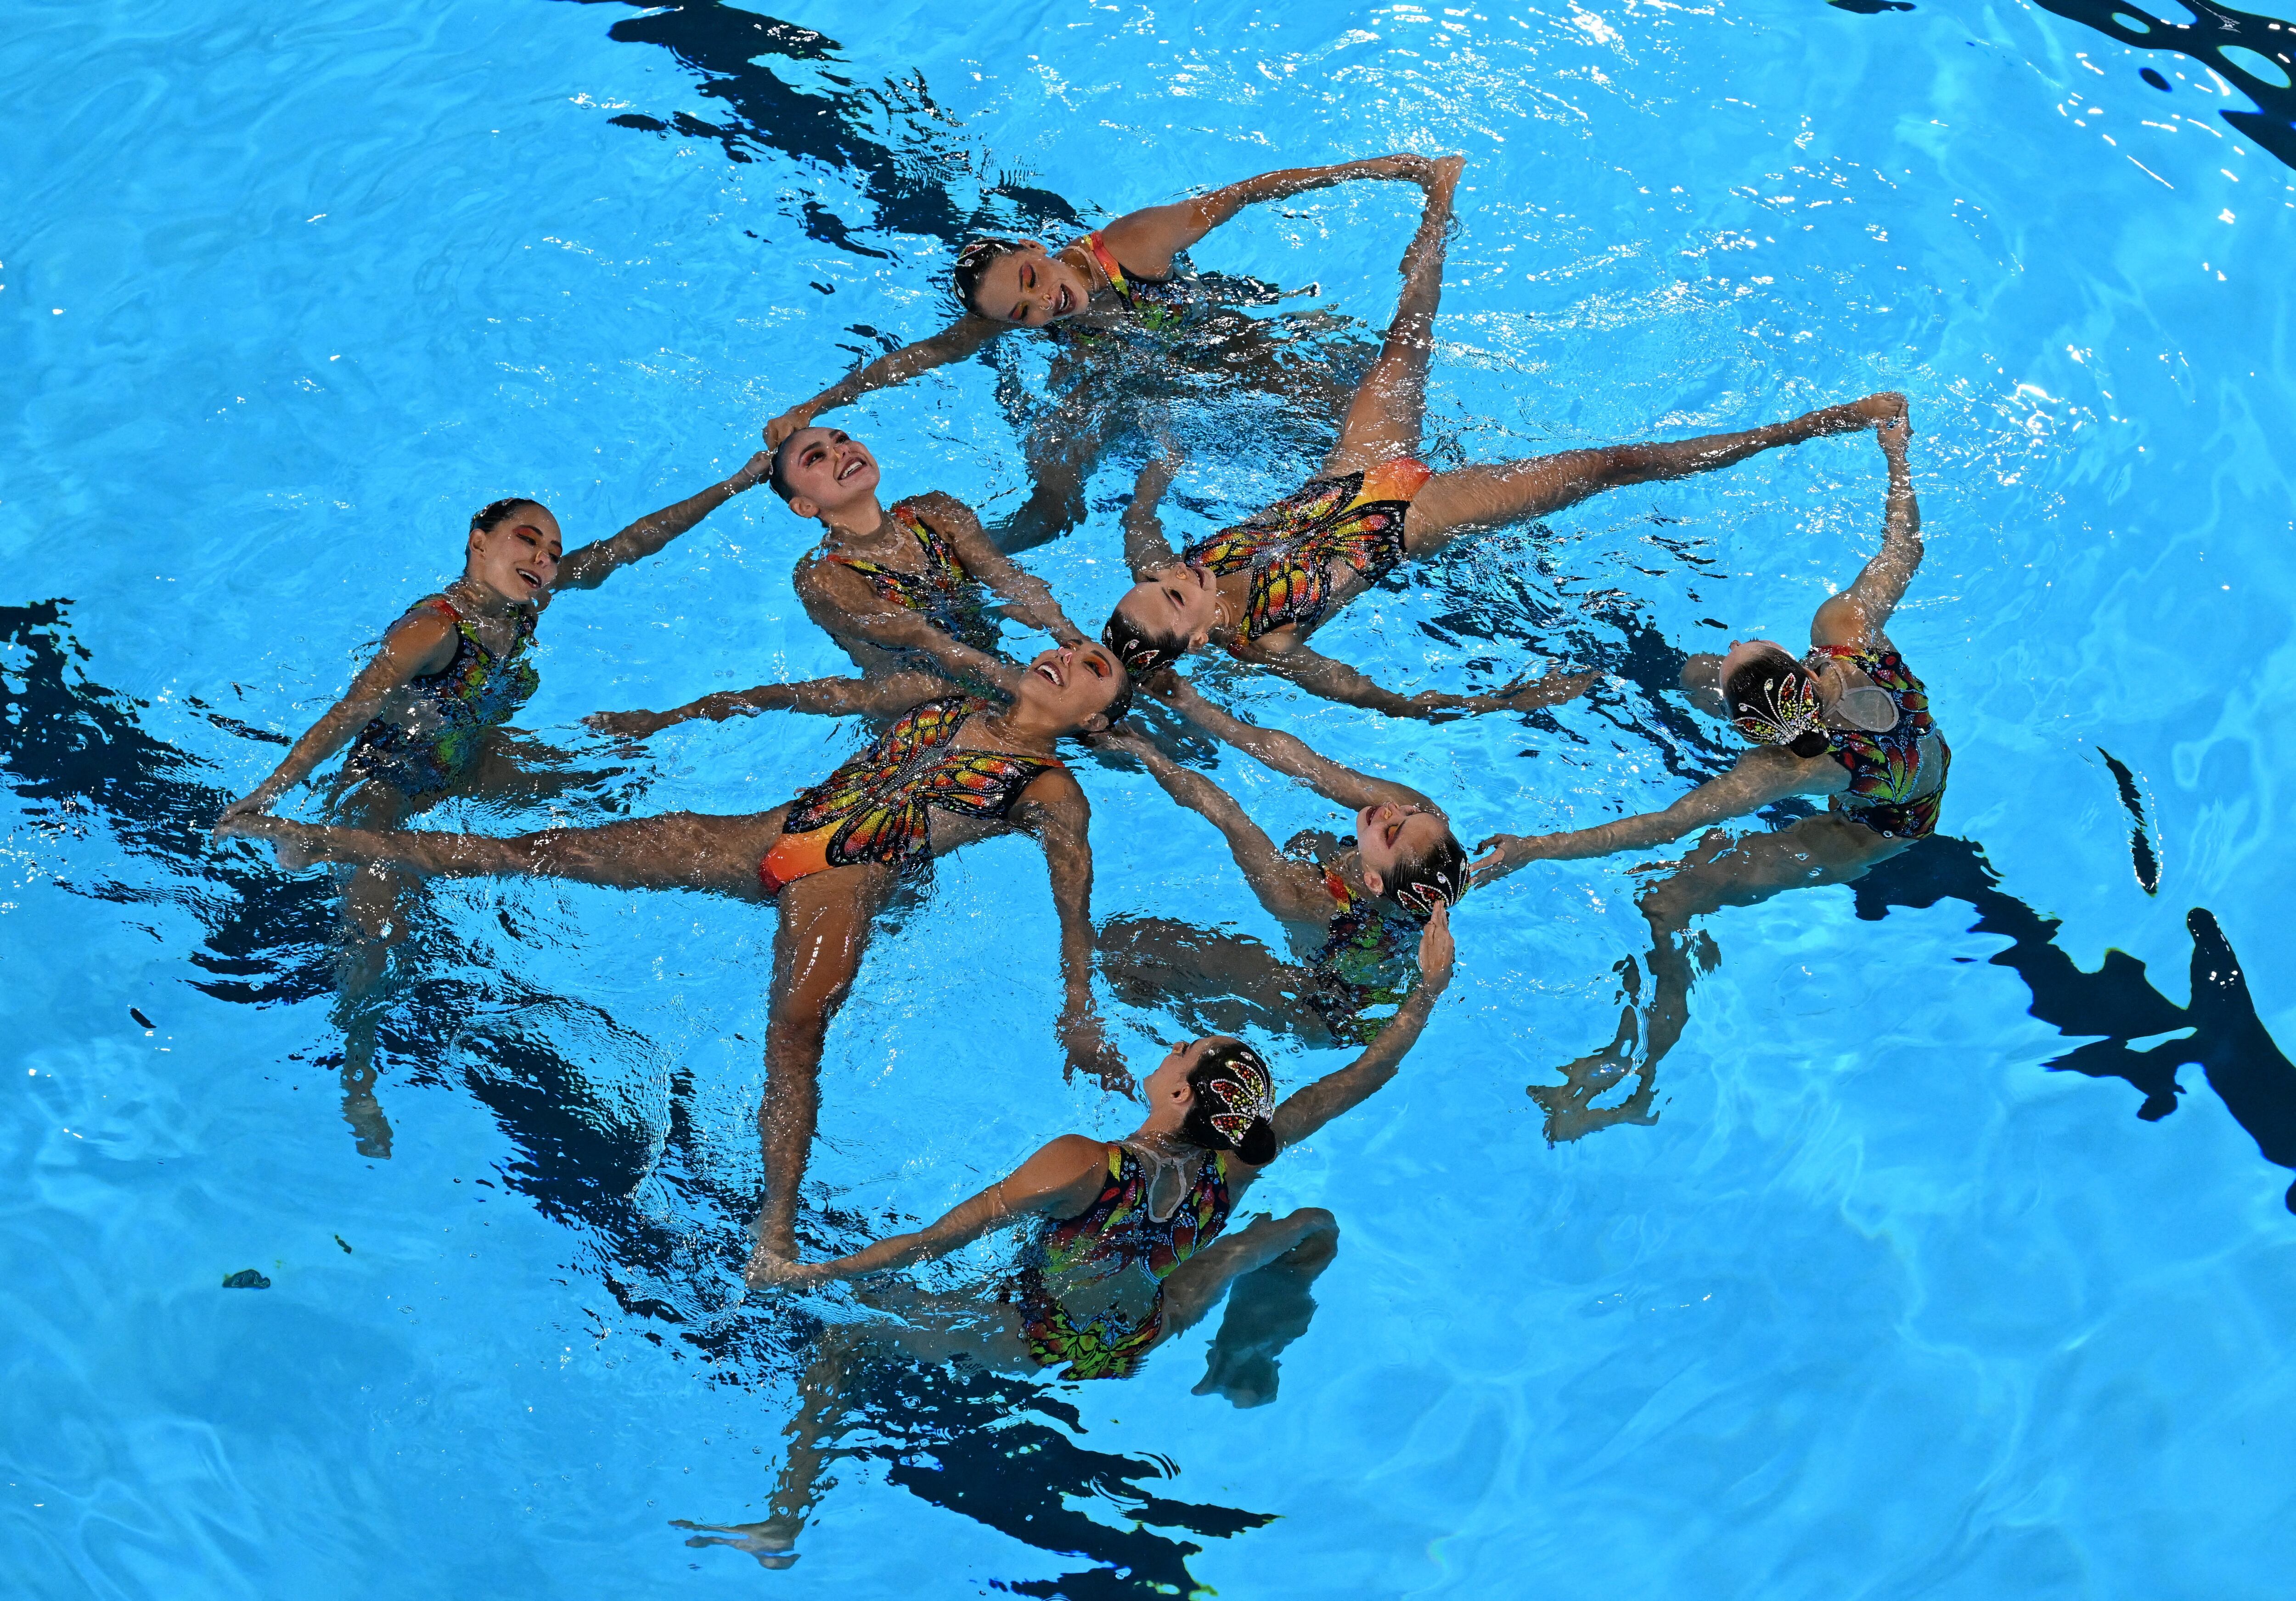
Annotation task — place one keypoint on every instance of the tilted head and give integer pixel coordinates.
(820, 471)
(1409, 854)
(1165, 615)
(515, 549)
(1222, 1095)
(1772, 698)
(1081, 689)
(1014, 281)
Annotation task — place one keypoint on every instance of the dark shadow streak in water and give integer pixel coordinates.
(2146, 861)
(2228, 1042)
(903, 181)
(2272, 126)
(77, 758)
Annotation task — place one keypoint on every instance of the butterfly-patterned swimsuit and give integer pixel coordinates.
(1885, 768)
(475, 691)
(1159, 305)
(1115, 1234)
(1356, 518)
(878, 805)
(945, 594)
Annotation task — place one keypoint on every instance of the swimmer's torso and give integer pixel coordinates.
(1092, 1291)
(929, 784)
(429, 731)
(1898, 777)
(1310, 554)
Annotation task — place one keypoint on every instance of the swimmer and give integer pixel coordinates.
(425, 720)
(1352, 907)
(1848, 721)
(1129, 278)
(1127, 1248)
(1118, 274)
(899, 590)
(1260, 589)
(950, 770)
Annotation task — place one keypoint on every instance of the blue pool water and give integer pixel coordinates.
(1892, 1299)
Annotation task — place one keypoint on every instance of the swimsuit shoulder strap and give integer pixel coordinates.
(1108, 266)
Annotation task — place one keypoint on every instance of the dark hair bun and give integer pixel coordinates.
(1809, 745)
(1258, 1144)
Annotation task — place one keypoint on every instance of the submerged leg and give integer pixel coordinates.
(1216, 983)
(812, 1433)
(1384, 419)
(1267, 1308)
(1475, 499)
(1721, 871)
(824, 927)
(1196, 1286)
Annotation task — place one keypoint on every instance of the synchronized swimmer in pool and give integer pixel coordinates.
(1847, 721)
(1260, 589)
(950, 770)
(425, 720)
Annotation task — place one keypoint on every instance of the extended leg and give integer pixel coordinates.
(812, 1433)
(1197, 1284)
(1720, 871)
(824, 927)
(1215, 982)
(1383, 420)
(1477, 499)
(1267, 1308)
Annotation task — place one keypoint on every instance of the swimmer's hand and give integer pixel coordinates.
(782, 427)
(1119, 741)
(753, 473)
(766, 1270)
(1090, 1053)
(1504, 852)
(1875, 411)
(1409, 166)
(1893, 433)
(253, 804)
(1435, 949)
(630, 725)
(1525, 694)
(290, 840)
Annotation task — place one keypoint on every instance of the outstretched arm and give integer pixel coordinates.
(1146, 548)
(1274, 877)
(1333, 679)
(1305, 1110)
(1029, 598)
(419, 644)
(1145, 241)
(954, 343)
(819, 696)
(842, 602)
(1288, 754)
(1056, 808)
(590, 565)
(1767, 773)
(1059, 1180)
(1860, 613)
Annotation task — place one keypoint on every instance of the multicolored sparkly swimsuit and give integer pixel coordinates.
(1115, 1234)
(1886, 768)
(878, 805)
(1364, 963)
(947, 595)
(1159, 305)
(1356, 518)
(474, 692)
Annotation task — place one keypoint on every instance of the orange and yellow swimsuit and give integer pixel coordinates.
(878, 805)
(1355, 519)
(1160, 304)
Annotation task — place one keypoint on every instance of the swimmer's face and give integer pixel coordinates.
(1030, 288)
(1394, 831)
(1169, 1081)
(1180, 599)
(827, 470)
(1073, 684)
(518, 556)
